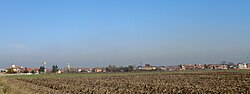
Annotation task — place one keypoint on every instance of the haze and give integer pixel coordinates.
(96, 33)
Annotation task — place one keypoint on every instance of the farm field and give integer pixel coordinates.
(232, 82)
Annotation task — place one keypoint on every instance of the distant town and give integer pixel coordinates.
(43, 69)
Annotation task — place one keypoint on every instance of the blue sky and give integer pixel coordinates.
(95, 33)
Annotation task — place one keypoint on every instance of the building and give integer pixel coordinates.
(15, 69)
(99, 70)
(242, 66)
(189, 66)
(199, 66)
(221, 67)
(147, 67)
(173, 68)
(85, 70)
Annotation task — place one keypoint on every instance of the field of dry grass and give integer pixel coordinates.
(140, 83)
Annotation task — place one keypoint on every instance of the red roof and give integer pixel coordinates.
(29, 69)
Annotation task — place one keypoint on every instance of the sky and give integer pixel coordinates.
(98, 33)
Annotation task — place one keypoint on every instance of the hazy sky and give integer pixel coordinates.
(95, 33)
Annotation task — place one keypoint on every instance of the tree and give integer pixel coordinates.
(42, 69)
(111, 68)
(214, 67)
(54, 69)
(33, 71)
(123, 69)
(205, 66)
(130, 68)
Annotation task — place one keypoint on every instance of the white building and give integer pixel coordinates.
(242, 65)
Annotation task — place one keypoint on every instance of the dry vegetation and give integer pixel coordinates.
(6, 87)
(159, 83)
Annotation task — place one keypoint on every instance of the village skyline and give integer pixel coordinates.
(242, 60)
(44, 68)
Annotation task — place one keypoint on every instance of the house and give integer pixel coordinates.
(71, 70)
(221, 67)
(140, 67)
(232, 66)
(36, 70)
(173, 68)
(216, 66)
(85, 70)
(199, 66)
(99, 70)
(242, 66)
(29, 70)
(15, 69)
(210, 66)
(147, 67)
(59, 72)
(162, 68)
(150, 68)
(188, 67)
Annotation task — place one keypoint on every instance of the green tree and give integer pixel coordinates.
(54, 69)
(130, 68)
(33, 71)
(42, 69)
